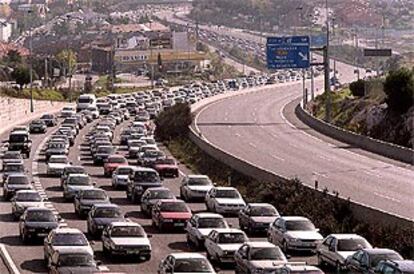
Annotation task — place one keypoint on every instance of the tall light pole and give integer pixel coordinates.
(327, 69)
(31, 65)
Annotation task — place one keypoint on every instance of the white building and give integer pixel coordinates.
(5, 30)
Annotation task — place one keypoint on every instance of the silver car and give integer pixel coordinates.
(24, 199)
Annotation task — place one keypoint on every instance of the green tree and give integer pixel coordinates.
(21, 75)
(13, 57)
(357, 88)
(399, 88)
(67, 60)
(167, 128)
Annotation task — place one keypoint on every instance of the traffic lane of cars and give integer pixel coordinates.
(24, 256)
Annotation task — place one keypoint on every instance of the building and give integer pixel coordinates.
(5, 30)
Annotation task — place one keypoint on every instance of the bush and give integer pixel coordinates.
(173, 123)
(399, 89)
(357, 88)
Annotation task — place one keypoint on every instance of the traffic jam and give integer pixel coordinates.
(117, 134)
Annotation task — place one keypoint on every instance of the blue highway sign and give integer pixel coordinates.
(288, 52)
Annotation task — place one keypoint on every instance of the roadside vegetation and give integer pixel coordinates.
(292, 198)
(379, 108)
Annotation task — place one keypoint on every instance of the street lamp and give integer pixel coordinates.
(327, 69)
(31, 65)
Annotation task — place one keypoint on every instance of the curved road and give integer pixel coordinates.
(261, 128)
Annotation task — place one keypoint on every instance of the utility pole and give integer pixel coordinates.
(31, 65)
(327, 70)
(46, 73)
(334, 60)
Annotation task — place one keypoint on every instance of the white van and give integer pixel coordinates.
(85, 101)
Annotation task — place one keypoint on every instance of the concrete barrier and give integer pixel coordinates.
(362, 212)
(389, 150)
(15, 111)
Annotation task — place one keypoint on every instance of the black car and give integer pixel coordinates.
(12, 168)
(71, 170)
(20, 141)
(14, 183)
(37, 222)
(37, 126)
(11, 157)
(49, 119)
(141, 180)
(102, 153)
(102, 215)
(73, 260)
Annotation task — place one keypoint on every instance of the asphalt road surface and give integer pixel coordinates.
(262, 128)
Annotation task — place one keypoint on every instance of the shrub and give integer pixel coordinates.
(399, 89)
(173, 123)
(357, 88)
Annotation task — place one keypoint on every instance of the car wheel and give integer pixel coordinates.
(105, 250)
(189, 242)
(160, 227)
(338, 267)
(24, 237)
(320, 260)
(285, 247)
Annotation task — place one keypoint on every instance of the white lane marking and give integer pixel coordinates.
(323, 157)
(181, 173)
(237, 134)
(8, 261)
(278, 158)
(79, 158)
(371, 173)
(320, 174)
(252, 145)
(387, 197)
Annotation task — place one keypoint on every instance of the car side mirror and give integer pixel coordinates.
(21, 218)
(149, 235)
(317, 230)
(94, 184)
(126, 215)
(288, 256)
(98, 263)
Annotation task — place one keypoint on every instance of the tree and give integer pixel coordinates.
(67, 59)
(13, 57)
(167, 128)
(21, 75)
(357, 88)
(399, 88)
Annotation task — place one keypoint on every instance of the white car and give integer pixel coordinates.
(224, 200)
(294, 233)
(222, 243)
(337, 247)
(66, 239)
(258, 257)
(67, 112)
(195, 187)
(95, 112)
(24, 199)
(120, 176)
(200, 226)
(176, 263)
(127, 239)
(57, 164)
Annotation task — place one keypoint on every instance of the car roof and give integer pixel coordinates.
(379, 250)
(191, 176)
(105, 206)
(145, 169)
(260, 244)
(225, 188)
(27, 191)
(126, 223)
(346, 236)
(228, 230)
(78, 175)
(58, 156)
(403, 265)
(18, 175)
(67, 230)
(38, 209)
(73, 250)
(171, 200)
(19, 132)
(294, 218)
(260, 204)
(185, 255)
(208, 215)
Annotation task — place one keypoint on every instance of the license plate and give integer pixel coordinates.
(308, 244)
(42, 234)
(179, 224)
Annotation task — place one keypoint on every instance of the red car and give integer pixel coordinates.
(112, 163)
(170, 214)
(166, 167)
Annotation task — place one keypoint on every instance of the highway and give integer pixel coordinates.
(262, 128)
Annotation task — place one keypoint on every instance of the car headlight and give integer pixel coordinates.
(294, 240)
(167, 220)
(258, 271)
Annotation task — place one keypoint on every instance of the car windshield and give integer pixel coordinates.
(12, 156)
(299, 225)
(107, 150)
(18, 138)
(28, 197)
(266, 253)
(75, 170)
(263, 211)
(58, 160)
(174, 207)
(211, 223)
(18, 180)
(192, 265)
(146, 176)
(227, 193)
(376, 258)
(85, 100)
(46, 116)
(94, 195)
(166, 161)
(69, 239)
(76, 260)
(79, 180)
(161, 194)
(124, 171)
(37, 122)
(56, 145)
(153, 153)
(199, 182)
(118, 160)
(352, 244)
(231, 238)
(127, 231)
(108, 213)
(40, 216)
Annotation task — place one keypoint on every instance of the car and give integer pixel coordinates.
(57, 164)
(395, 266)
(37, 222)
(67, 112)
(257, 217)
(65, 238)
(258, 257)
(200, 226)
(166, 167)
(170, 214)
(120, 176)
(102, 153)
(74, 184)
(12, 168)
(20, 141)
(134, 147)
(37, 126)
(294, 233)
(152, 195)
(141, 180)
(222, 243)
(24, 199)
(56, 148)
(14, 183)
(102, 215)
(335, 248)
(148, 158)
(185, 262)
(49, 119)
(367, 259)
(224, 200)
(195, 187)
(86, 198)
(112, 162)
(126, 239)
(74, 260)
(71, 170)
(297, 268)
(11, 157)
